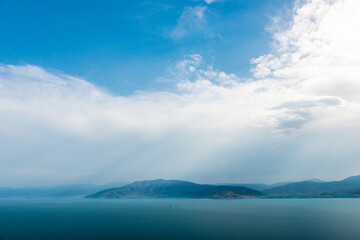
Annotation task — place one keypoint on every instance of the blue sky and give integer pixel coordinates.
(206, 91)
(125, 46)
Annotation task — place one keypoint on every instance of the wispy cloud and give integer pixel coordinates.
(212, 1)
(301, 111)
(192, 19)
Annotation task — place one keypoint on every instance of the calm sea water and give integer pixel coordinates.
(185, 219)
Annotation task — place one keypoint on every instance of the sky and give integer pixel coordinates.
(124, 46)
(207, 91)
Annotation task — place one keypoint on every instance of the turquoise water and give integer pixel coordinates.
(185, 219)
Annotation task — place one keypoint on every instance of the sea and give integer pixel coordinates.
(179, 219)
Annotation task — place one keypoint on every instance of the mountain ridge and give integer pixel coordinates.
(348, 187)
(161, 188)
(313, 188)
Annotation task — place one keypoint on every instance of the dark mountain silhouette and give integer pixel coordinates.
(176, 189)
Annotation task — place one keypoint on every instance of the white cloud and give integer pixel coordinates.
(319, 49)
(300, 118)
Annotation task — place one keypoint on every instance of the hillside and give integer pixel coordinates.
(349, 187)
(176, 189)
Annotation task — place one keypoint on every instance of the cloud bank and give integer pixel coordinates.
(298, 117)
